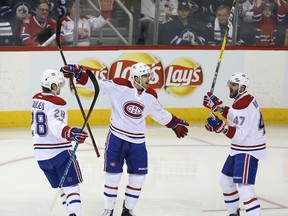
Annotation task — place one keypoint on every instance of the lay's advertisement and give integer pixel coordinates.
(180, 78)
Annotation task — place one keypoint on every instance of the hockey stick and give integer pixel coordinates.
(223, 46)
(73, 86)
(96, 90)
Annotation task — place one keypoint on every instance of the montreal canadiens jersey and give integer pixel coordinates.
(31, 29)
(49, 117)
(129, 109)
(249, 137)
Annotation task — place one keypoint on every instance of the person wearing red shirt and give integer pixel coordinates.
(39, 28)
(266, 22)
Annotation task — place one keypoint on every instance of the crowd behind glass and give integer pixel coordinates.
(144, 22)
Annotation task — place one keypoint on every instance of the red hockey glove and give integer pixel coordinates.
(215, 124)
(75, 134)
(178, 126)
(73, 69)
(211, 101)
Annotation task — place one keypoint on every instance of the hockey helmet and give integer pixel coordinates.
(140, 69)
(239, 78)
(51, 76)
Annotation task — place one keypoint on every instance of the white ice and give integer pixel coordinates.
(183, 177)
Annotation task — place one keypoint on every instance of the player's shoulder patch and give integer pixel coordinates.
(51, 98)
(152, 92)
(243, 102)
(123, 82)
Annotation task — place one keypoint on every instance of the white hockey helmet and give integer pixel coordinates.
(139, 69)
(51, 76)
(239, 78)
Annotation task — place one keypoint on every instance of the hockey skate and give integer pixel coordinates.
(107, 212)
(237, 213)
(127, 212)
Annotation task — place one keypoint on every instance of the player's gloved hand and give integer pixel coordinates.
(72, 69)
(211, 101)
(75, 134)
(215, 124)
(178, 126)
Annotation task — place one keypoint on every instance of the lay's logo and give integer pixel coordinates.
(183, 76)
(121, 67)
(180, 78)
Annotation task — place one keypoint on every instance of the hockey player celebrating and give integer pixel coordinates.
(132, 100)
(52, 140)
(248, 144)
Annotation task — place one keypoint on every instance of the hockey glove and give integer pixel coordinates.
(75, 134)
(215, 124)
(178, 126)
(211, 101)
(72, 69)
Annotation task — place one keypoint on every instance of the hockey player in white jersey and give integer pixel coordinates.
(52, 140)
(132, 100)
(248, 144)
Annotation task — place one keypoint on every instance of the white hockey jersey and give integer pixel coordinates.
(129, 109)
(246, 127)
(87, 23)
(49, 117)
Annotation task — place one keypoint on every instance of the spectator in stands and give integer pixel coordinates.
(182, 29)
(220, 25)
(17, 11)
(85, 24)
(147, 18)
(20, 10)
(206, 10)
(266, 22)
(57, 8)
(39, 28)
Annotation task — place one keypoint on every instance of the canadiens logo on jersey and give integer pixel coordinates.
(133, 109)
